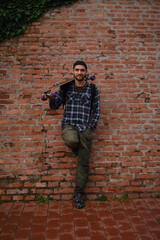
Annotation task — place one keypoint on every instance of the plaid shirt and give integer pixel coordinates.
(78, 109)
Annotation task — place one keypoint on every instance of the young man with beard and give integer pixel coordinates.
(81, 113)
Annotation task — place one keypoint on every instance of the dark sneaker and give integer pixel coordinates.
(78, 200)
(75, 152)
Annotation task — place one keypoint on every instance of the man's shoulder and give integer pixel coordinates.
(93, 85)
(67, 85)
(94, 88)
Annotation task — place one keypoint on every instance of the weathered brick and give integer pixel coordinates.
(121, 48)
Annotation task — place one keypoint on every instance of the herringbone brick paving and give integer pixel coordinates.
(137, 219)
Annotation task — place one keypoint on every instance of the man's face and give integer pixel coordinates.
(79, 72)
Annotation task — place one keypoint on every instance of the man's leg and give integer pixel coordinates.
(70, 136)
(84, 149)
(82, 140)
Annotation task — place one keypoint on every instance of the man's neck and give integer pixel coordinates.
(80, 83)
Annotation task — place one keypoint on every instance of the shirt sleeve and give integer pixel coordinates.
(95, 109)
(57, 101)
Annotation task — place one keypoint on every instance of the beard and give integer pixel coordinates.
(79, 78)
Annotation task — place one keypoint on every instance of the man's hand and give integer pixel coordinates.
(49, 95)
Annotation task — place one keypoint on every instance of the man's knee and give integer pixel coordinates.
(70, 137)
(70, 142)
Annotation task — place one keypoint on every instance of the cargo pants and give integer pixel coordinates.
(82, 140)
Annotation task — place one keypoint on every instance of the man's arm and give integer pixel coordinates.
(95, 109)
(57, 100)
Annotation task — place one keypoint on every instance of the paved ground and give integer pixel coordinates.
(131, 220)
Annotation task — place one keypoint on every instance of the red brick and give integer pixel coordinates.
(125, 149)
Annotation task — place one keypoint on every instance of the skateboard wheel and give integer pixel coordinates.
(43, 98)
(92, 77)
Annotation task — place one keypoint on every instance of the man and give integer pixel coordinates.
(81, 113)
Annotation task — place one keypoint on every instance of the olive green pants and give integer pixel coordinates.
(82, 140)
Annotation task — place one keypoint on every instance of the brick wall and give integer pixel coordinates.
(119, 40)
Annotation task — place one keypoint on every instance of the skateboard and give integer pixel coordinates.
(48, 92)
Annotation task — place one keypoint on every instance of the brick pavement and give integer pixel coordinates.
(137, 219)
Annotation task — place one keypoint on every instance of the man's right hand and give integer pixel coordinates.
(49, 96)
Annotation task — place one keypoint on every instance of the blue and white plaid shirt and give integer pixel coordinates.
(78, 111)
